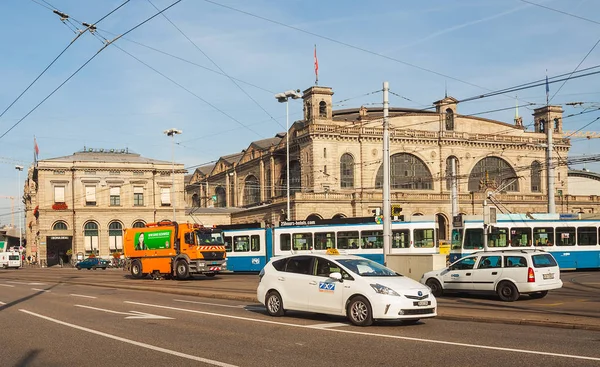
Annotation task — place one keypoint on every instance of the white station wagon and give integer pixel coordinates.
(508, 273)
(354, 286)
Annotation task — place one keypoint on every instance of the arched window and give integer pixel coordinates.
(339, 215)
(90, 237)
(308, 110)
(449, 119)
(269, 183)
(449, 171)
(407, 172)
(139, 224)
(442, 226)
(251, 190)
(492, 172)
(536, 177)
(115, 236)
(314, 217)
(221, 197)
(195, 200)
(542, 126)
(347, 171)
(295, 179)
(60, 226)
(322, 109)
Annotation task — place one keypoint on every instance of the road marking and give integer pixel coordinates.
(130, 314)
(13, 282)
(81, 295)
(40, 290)
(133, 342)
(7, 285)
(327, 325)
(207, 303)
(432, 341)
(2, 303)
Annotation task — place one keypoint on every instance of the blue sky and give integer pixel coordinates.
(115, 101)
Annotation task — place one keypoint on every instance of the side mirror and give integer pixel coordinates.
(336, 276)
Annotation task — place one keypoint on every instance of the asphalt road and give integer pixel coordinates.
(45, 323)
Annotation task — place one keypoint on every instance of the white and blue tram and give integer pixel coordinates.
(571, 238)
(249, 247)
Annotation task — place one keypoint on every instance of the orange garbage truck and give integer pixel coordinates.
(170, 249)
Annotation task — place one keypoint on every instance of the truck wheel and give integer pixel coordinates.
(182, 269)
(136, 269)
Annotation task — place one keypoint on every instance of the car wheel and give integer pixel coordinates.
(538, 295)
(274, 304)
(359, 311)
(136, 269)
(93, 268)
(182, 269)
(508, 292)
(435, 286)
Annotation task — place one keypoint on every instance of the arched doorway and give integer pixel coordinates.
(442, 226)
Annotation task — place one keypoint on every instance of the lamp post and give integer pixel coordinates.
(284, 98)
(19, 168)
(172, 132)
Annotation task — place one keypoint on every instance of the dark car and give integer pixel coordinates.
(92, 263)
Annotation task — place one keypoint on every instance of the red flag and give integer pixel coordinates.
(35, 147)
(316, 66)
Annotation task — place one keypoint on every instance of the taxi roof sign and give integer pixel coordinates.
(332, 251)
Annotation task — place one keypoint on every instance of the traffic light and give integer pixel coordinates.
(396, 210)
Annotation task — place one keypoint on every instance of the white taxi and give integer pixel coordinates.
(349, 285)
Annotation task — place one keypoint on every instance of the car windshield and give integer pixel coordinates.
(367, 268)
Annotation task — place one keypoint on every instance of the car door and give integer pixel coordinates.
(459, 275)
(487, 273)
(326, 295)
(294, 282)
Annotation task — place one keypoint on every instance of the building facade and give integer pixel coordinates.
(335, 160)
(78, 205)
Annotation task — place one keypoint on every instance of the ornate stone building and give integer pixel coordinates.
(336, 165)
(82, 202)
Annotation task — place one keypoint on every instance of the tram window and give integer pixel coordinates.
(520, 237)
(302, 241)
(371, 239)
(543, 236)
(227, 240)
(400, 238)
(324, 240)
(254, 243)
(586, 236)
(284, 242)
(347, 240)
(424, 238)
(457, 237)
(498, 237)
(473, 239)
(565, 236)
(241, 244)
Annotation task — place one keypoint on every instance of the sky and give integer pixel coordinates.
(211, 68)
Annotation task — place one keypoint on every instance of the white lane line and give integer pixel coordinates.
(327, 325)
(81, 295)
(433, 341)
(40, 290)
(2, 303)
(7, 285)
(133, 342)
(207, 303)
(130, 314)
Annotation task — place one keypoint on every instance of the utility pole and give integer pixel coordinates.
(387, 219)
(454, 188)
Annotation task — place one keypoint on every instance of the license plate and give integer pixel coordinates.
(423, 303)
(549, 276)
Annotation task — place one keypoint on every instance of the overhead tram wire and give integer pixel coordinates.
(62, 15)
(218, 67)
(561, 12)
(87, 62)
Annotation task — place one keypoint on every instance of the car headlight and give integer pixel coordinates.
(382, 289)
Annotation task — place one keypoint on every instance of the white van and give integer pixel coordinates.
(10, 259)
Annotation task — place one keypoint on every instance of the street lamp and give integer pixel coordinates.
(19, 168)
(284, 98)
(172, 132)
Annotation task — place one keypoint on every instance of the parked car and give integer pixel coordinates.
(345, 285)
(92, 263)
(508, 273)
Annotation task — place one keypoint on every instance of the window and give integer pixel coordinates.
(299, 265)
(221, 197)
(115, 237)
(254, 243)
(347, 240)
(400, 238)
(542, 126)
(295, 179)
(565, 236)
(543, 236)
(536, 177)
(543, 261)
(269, 184)
(473, 239)
(323, 241)
(498, 237)
(241, 243)
(284, 242)
(139, 224)
(515, 262)
(60, 226)
(449, 119)
(371, 239)
(228, 243)
(165, 196)
(279, 265)
(90, 195)
(347, 171)
(488, 262)
(90, 233)
(322, 109)
(325, 267)
(302, 241)
(424, 238)
(465, 264)
(115, 196)
(407, 172)
(520, 237)
(324, 152)
(195, 200)
(586, 236)
(138, 196)
(251, 190)
(59, 194)
(493, 172)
